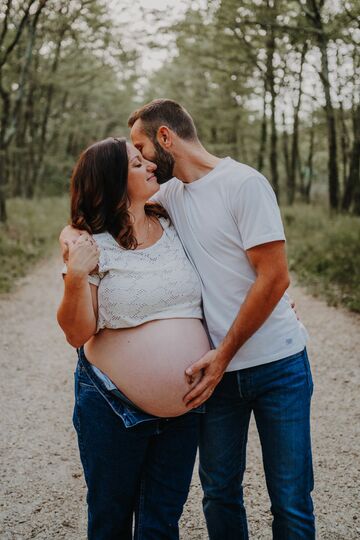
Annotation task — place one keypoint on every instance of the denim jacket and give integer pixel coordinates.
(120, 404)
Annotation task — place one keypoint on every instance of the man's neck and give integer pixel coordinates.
(192, 162)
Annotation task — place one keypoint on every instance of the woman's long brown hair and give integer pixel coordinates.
(99, 195)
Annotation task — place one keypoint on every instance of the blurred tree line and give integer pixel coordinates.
(275, 84)
(65, 80)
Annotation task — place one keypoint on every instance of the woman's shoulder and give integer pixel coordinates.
(170, 231)
(109, 248)
(168, 227)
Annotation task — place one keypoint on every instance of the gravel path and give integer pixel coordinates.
(42, 486)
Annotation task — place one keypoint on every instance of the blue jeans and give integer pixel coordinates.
(279, 395)
(134, 463)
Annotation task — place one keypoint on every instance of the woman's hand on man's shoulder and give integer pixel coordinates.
(69, 235)
(83, 256)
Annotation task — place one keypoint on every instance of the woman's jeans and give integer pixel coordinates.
(143, 469)
(279, 395)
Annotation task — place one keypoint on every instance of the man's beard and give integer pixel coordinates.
(165, 164)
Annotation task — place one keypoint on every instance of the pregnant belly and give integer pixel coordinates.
(147, 363)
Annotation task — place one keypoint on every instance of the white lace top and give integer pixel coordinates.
(137, 286)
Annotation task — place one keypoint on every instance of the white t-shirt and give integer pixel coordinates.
(218, 217)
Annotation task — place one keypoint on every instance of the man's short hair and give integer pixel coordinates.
(165, 112)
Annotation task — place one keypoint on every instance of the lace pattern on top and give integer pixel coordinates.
(137, 286)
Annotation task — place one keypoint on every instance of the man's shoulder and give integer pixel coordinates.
(169, 190)
(242, 180)
(236, 174)
(171, 185)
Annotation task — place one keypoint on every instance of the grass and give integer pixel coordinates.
(324, 253)
(31, 231)
(323, 250)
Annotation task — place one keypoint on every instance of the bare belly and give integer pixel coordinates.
(147, 363)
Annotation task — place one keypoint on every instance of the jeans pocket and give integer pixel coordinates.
(84, 380)
(87, 385)
(309, 378)
(75, 418)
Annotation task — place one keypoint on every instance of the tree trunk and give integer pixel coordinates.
(286, 150)
(9, 134)
(240, 143)
(344, 142)
(310, 167)
(291, 180)
(3, 212)
(332, 147)
(352, 191)
(313, 14)
(270, 46)
(263, 133)
(47, 109)
(3, 126)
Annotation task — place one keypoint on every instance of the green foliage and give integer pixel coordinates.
(32, 229)
(324, 252)
(78, 88)
(220, 72)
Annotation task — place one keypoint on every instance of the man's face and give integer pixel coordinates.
(153, 151)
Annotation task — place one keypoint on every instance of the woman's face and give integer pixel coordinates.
(142, 182)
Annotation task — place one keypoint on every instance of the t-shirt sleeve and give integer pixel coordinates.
(93, 278)
(257, 213)
(160, 197)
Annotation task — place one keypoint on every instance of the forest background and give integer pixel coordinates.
(272, 83)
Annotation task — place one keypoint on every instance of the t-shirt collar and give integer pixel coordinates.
(204, 179)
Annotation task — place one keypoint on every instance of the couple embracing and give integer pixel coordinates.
(175, 298)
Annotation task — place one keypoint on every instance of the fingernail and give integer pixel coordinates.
(189, 371)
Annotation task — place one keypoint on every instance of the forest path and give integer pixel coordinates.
(42, 485)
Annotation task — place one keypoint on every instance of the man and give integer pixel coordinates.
(228, 220)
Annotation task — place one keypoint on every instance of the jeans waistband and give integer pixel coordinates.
(121, 405)
(116, 391)
(119, 402)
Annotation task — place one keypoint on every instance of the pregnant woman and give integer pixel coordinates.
(136, 321)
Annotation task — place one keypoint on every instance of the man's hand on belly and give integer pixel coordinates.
(212, 366)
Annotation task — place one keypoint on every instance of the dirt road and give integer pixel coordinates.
(42, 486)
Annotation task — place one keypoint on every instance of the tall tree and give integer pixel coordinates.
(313, 10)
(291, 177)
(62, 79)
(10, 37)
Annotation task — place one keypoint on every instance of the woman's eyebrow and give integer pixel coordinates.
(135, 157)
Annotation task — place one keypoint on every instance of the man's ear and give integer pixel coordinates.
(164, 137)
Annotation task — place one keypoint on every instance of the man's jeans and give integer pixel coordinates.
(144, 468)
(279, 394)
